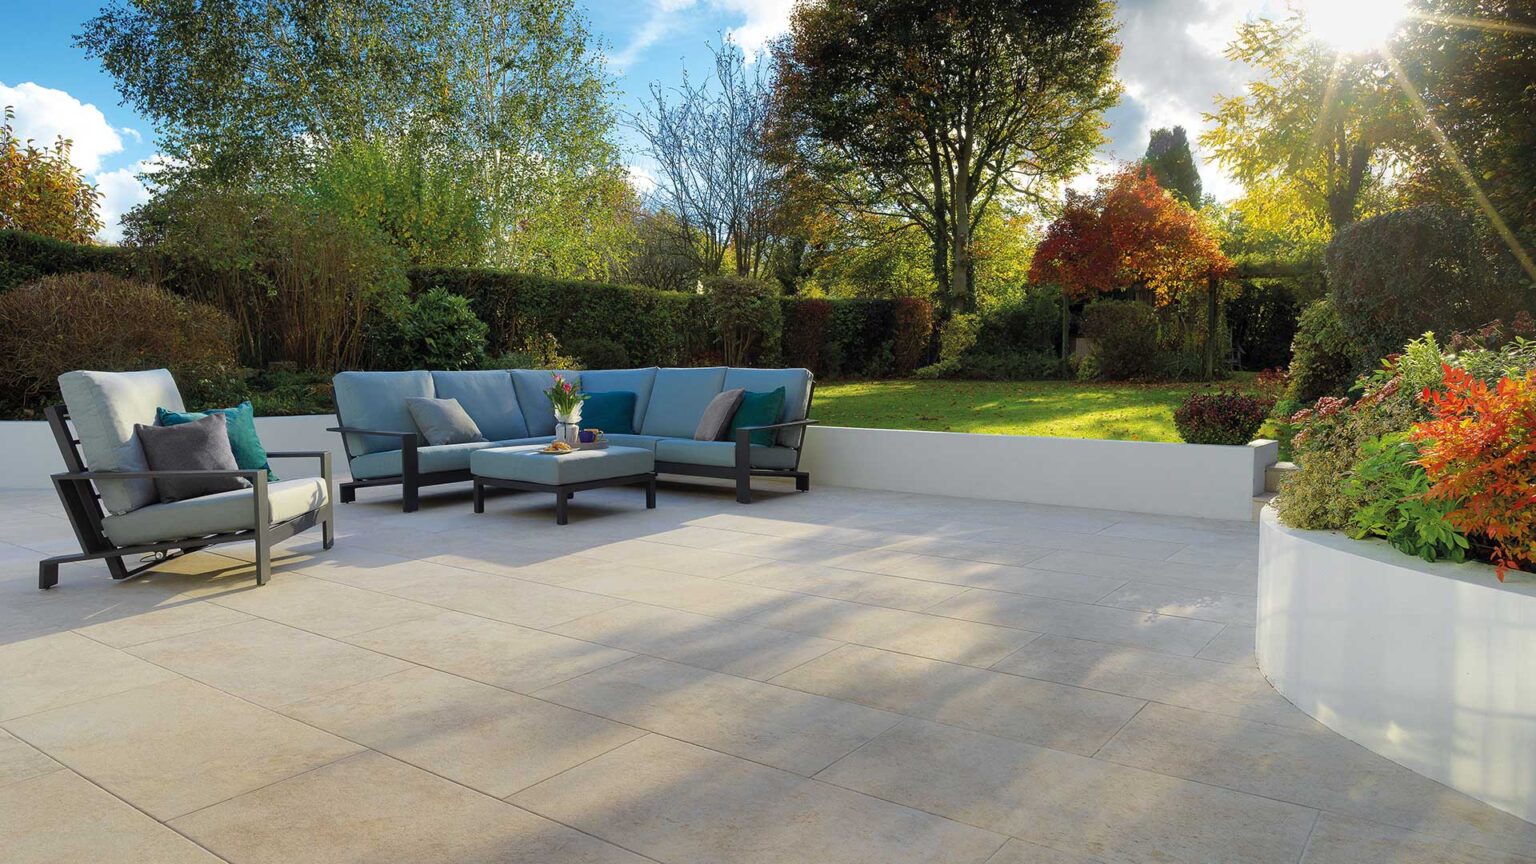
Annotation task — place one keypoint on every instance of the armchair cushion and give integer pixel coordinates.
(376, 400)
(488, 397)
(678, 400)
(213, 514)
(797, 395)
(636, 381)
(759, 409)
(443, 421)
(240, 422)
(530, 385)
(104, 407)
(202, 445)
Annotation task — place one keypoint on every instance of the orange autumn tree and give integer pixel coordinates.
(41, 191)
(1130, 233)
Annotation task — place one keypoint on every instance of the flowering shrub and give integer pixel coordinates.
(1479, 452)
(1220, 418)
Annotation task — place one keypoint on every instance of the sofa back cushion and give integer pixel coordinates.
(489, 399)
(797, 394)
(104, 407)
(376, 400)
(636, 381)
(530, 385)
(678, 400)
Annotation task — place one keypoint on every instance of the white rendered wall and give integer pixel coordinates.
(1207, 481)
(1430, 665)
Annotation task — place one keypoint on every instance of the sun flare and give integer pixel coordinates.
(1354, 26)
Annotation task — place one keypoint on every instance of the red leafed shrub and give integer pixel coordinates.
(1221, 418)
(1480, 452)
(912, 327)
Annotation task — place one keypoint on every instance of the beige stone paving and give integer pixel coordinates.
(838, 677)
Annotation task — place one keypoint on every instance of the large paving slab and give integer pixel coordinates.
(844, 676)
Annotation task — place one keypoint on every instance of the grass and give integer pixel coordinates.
(1062, 409)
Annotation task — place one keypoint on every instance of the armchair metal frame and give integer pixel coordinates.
(82, 504)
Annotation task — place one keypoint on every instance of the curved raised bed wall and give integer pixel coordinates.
(1430, 665)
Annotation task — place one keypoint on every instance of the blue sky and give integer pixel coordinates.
(1171, 67)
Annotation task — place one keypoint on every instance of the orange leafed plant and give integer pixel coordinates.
(1480, 451)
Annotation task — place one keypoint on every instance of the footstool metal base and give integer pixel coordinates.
(563, 493)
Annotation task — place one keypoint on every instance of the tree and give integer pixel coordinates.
(1475, 82)
(42, 192)
(715, 175)
(930, 111)
(1170, 161)
(251, 94)
(1131, 233)
(1323, 128)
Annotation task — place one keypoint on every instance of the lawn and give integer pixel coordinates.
(1064, 409)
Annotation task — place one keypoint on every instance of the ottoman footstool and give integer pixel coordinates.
(526, 469)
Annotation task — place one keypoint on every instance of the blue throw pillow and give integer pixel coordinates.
(241, 423)
(612, 411)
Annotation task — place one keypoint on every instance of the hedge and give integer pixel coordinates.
(25, 256)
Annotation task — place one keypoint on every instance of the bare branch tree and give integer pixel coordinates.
(713, 174)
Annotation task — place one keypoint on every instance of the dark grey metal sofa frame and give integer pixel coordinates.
(82, 504)
(411, 480)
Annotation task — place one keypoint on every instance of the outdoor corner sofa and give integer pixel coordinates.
(384, 447)
(110, 497)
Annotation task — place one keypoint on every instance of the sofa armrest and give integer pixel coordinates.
(785, 425)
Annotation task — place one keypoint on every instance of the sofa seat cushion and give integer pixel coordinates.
(376, 400)
(644, 442)
(678, 400)
(530, 385)
(636, 381)
(430, 460)
(213, 514)
(104, 407)
(797, 394)
(488, 397)
(722, 454)
(530, 466)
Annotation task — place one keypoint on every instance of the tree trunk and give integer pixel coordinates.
(1066, 328)
(960, 256)
(1213, 285)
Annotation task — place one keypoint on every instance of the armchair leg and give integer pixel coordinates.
(263, 562)
(47, 574)
(409, 498)
(743, 488)
(802, 482)
(328, 530)
(117, 568)
(348, 493)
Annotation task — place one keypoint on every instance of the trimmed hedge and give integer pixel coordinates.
(25, 257)
(655, 328)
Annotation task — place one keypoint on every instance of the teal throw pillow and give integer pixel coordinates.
(759, 409)
(241, 423)
(612, 411)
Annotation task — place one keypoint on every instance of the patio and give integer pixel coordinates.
(844, 676)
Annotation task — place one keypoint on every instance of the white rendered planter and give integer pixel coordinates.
(1430, 665)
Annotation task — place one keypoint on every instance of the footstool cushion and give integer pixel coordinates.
(528, 465)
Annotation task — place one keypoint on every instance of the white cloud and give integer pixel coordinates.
(641, 179)
(121, 190)
(44, 114)
(760, 21)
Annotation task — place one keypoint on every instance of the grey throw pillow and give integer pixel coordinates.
(202, 445)
(718, 414)
(442, 421)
